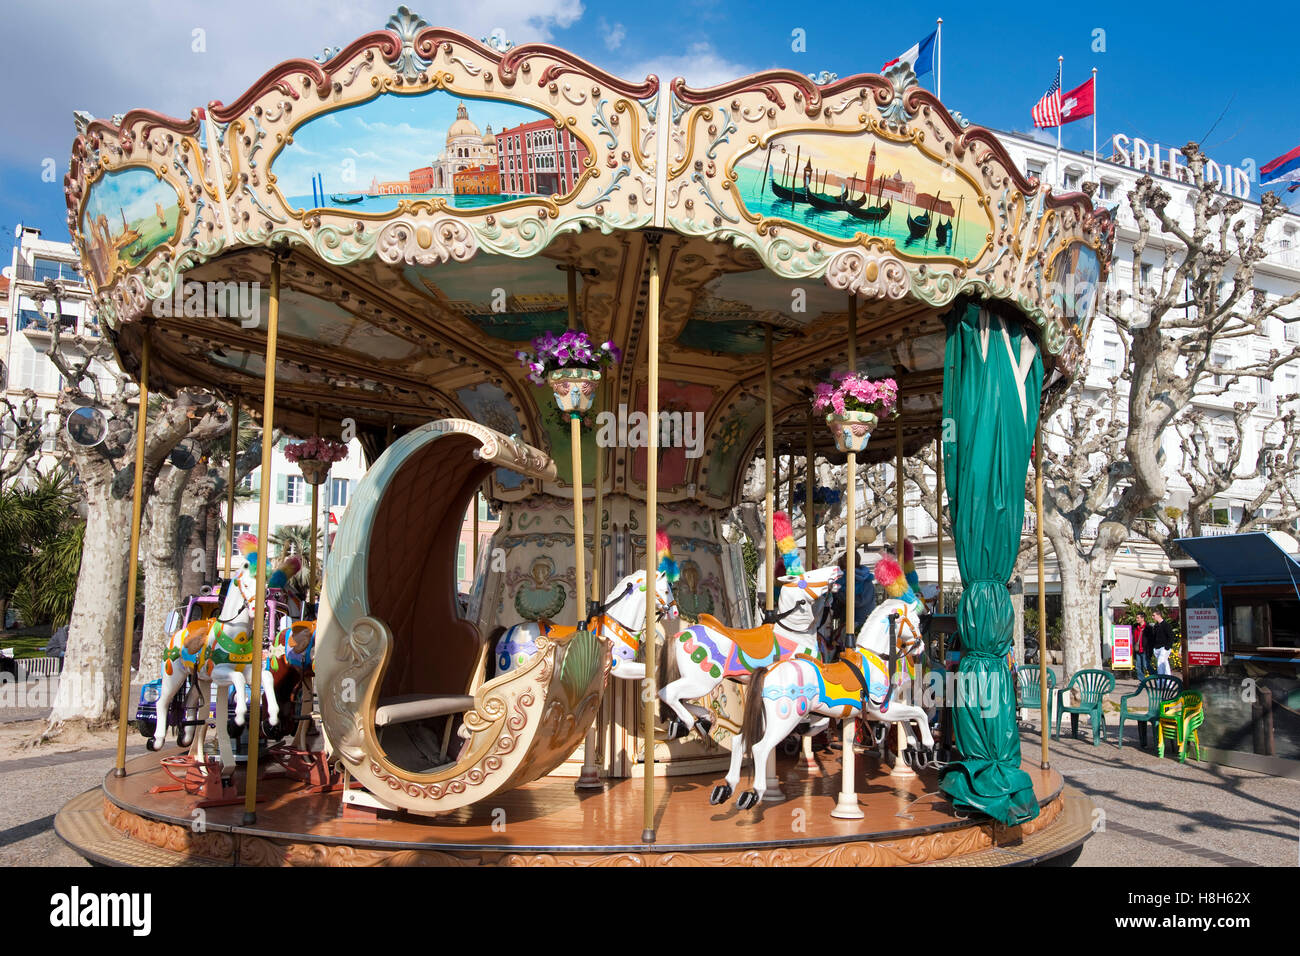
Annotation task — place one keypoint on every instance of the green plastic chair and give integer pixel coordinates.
(1159, 689)
(1093, 686)
(1030, 695)
(1180, 720)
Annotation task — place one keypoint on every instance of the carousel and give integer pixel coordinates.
(595, 301)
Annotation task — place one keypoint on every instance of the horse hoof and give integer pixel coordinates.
(703, 727)
(721, 794)
(676, 729)
(151, 744)
(747, 800)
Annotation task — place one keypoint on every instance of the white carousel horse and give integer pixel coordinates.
(858, 684)
(709, 652)
(288, 667)
(621, 619)
(219, 649)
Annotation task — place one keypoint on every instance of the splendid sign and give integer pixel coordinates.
(1165, 162)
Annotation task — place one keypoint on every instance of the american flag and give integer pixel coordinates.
(1047, 111)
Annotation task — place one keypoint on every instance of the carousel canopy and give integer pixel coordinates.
(425, 194)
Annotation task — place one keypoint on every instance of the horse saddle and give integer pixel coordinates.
(843, 674)
(755, 643)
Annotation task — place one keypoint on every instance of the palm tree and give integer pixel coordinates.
(40, 547)
(295, 539)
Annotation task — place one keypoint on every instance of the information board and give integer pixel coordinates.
(1121, 657)
(1202, 628)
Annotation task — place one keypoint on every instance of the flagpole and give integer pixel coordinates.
(938, 61)
(1094, 124)
(1060, 67)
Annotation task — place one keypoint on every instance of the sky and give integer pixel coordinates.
(1168, 73)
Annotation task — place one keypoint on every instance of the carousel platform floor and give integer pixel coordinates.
(547, 822)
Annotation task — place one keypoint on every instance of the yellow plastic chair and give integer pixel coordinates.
(1180, 720)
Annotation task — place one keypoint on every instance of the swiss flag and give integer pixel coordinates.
(1079, 102)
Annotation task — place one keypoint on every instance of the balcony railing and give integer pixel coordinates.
(67, 271)
(29, 321)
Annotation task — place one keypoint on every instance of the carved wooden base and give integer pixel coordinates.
(246, 850)
(547, 823)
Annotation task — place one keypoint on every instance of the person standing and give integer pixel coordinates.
(1161, 637)
(1141, 657)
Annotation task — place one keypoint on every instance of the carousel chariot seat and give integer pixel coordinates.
(411, 707)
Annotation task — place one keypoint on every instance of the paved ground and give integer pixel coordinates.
(1160, 812)
(1155, 812)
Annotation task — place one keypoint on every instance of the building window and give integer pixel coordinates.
(1105, 189)
(1071, 180)
(236, 532)
(1220, 360)
(1034, 169)
(339, 489)
(292, 490)
(1144, 275)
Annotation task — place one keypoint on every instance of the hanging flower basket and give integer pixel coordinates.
(854, 405)
(574, 388)
(314, 470)
(570, 365)
(852, 430)
(314, 457)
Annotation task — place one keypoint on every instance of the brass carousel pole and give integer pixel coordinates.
(575, 478)
(230, 482)
(846, 806)
(1042, 589)
(589, 778)
(263, 529)
(810, 550)
(900, 768)
(137, 503)
(649, 694)
(938, 514)
(311, 579)
(773, 788)
(809, 522)
(769, 477)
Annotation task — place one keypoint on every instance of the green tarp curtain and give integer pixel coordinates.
(993, 380)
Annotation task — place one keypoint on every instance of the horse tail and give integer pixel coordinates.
(752, 720)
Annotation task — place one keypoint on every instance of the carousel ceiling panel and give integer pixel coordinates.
(419, 189)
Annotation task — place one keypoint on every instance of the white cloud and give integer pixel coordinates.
(612, 35)
(701, 65)
(138, 54)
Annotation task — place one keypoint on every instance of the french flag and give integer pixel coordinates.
(1284, 169)
(920, 57)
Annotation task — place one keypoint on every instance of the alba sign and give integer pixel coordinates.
(1165, 162)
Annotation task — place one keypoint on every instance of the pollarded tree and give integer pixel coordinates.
(92, 672)
(22, 431)
(1103, 469)
(1271, 477)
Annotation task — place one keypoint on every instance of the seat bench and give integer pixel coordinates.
(411, 707)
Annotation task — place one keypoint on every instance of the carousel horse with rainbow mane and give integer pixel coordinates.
(859, 683)
(620, 620)
(221, 648)
(709, 652)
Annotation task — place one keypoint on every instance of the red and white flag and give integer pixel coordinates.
(1047, 111)
(1079, 102)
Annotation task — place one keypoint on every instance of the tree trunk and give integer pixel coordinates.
(211, 543)
(1017, 589)
(92, 671)
(165, 554)
(1080, 635)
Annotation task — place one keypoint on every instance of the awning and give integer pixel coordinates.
(1257, 556)
(1144, 587)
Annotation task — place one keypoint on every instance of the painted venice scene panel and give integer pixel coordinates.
(468, 153)
(846, 186)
